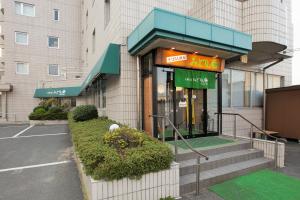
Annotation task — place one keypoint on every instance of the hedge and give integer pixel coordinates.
(85, 112)
(103, 158)
(53, 113)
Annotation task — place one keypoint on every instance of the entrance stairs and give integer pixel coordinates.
(225, 162)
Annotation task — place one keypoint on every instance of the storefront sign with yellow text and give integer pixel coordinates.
(180, 59)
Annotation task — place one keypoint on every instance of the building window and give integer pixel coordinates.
(106, 12)
(55, 14)
(22, 68)
(53, 70)
(103, 94)
(86, 19)
(274, 81)
(226, 90)
(94, 41)
(258, 90)
(21, 38)
(53, 42)
(25, 9)
(241, 82)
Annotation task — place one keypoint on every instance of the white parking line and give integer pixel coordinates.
(34, 166)
(29, 136)
(21, 132)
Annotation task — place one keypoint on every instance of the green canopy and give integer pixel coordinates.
(57, 92)
(109, 63)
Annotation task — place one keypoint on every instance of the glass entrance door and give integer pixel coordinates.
(184, 107)
(189, 111)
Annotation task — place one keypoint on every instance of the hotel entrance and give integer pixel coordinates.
(180, 93)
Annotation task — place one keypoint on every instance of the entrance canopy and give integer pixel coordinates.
(166, 29)
(108, 63)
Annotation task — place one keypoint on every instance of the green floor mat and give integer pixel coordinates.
(261, 185)
(202, 142)
(184, 132)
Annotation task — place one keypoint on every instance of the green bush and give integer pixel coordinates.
(167, 198)
(85, 112)
(124, 153)
(53, 113)
(39, 107)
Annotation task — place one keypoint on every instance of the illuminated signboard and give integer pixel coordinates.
(188, 60)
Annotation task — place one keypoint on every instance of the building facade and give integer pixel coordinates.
(84, 41)
(40, 45)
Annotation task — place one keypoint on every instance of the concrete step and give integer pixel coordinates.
(241, 145)
(219, 160)
(221, 174)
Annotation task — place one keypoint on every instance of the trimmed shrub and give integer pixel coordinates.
(85, 112)
(167, 198)
(53, 113)
(38, 107)
(123, 153)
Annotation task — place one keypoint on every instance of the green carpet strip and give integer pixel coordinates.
(203, 142)
(261, 185)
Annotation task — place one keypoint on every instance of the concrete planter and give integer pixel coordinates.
(48, 122)
(151, 186)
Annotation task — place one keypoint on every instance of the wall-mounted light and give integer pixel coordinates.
(173, 48)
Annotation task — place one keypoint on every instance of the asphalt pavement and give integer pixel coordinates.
(36, 163)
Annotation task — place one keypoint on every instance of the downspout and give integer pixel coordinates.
(264, 91)
(138, 92)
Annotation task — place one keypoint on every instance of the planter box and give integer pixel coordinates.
(151, 186)
(48, 122)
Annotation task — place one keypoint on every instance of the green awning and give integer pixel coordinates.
(57, 92)
(109, 63)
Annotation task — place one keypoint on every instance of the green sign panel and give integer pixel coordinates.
(195, 79)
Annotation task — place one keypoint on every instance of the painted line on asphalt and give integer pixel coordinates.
(29, 136)
(23, 131)
(35, 166)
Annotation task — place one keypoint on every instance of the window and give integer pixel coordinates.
(21, 38)
(55, 14)
(53, 70)
(226, 90)
(103, 94)
(94, 41)
(53, 42)
(258, 90)
(274, 81)
(241, 82)
(22, 68)
(25, 9)
(86, 19)
(106, 12)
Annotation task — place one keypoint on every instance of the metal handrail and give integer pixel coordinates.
(177, 133)
(180, 135)
(252, 124)
(251, 133)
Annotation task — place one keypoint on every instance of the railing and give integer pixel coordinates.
(251, 132)
(177, 133)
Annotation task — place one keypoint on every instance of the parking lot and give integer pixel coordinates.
(36, 163)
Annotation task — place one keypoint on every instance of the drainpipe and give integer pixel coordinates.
(138, 92)
(264, 91)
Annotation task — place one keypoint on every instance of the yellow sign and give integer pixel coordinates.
(181, 59)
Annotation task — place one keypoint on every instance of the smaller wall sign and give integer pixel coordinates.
(195, 79)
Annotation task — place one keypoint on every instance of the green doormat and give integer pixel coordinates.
(261, 185)
(202, 142)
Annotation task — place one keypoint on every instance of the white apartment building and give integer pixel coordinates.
(40, 45)
(131, 86)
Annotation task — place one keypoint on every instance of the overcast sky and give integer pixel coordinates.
(296, 59)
